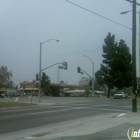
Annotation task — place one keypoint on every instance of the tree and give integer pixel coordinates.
(5, 77)
(116, 70)
(45, 84)
(122, 66)
(104, 75)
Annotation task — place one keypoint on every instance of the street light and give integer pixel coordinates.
(93, 74)
(125, 12)
(134, 100)
(41, 43)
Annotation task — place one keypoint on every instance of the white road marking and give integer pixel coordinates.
(122, 114)
(56, 106)
(29, 137)
(102, 105)
(80, 107)
(127, 106)
(74, 108)
(16, 99)
(80, 104)
(51, 111)
(108, 109)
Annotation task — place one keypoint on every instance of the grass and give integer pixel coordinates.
(13, 104)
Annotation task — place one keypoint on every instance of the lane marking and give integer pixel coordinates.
(103, 105)
(108, 109)
(29, 137)
(51, 111)
(122, 114)
(56, 106)
(74, 108)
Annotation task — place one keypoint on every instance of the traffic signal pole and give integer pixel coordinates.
(79, 70)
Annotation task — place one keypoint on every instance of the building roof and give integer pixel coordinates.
(28, 83)
(54, 84)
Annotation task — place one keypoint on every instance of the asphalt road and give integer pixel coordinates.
(61, 110)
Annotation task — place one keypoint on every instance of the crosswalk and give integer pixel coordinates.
(61, 107)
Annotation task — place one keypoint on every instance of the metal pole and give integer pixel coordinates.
(134, 100)
(39, 95)
(139, 54)
(92, 75)
(93, 81)
(40, 91)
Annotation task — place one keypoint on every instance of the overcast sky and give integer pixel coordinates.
(26, 23)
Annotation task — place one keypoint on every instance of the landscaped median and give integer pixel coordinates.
(14, 104)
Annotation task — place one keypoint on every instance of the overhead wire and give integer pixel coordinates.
(98, 14)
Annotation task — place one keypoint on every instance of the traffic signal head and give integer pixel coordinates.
(37, 77)
(65, 65)
(78, 69)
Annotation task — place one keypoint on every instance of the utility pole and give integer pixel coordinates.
(139, 56)
(134, 79)
(134, 99)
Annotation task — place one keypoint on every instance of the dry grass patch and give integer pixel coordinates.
(13, 104)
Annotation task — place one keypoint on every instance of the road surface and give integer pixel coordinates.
(61, 109)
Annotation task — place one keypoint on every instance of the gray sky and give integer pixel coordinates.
(26, 23)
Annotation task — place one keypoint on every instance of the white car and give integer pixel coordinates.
(120, 95)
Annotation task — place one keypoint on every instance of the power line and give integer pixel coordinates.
(99, 15)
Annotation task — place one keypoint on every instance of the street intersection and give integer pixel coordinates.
(51, 111)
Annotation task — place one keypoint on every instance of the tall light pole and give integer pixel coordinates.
(139, 56)
(41, 43)
(92, 73)
(134, 99)
(125, 12)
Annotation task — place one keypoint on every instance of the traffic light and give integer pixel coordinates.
(37, 77)
(60, 67)
(78, 69)
(65, 65)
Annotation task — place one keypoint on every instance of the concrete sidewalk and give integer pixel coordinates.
(87, 128)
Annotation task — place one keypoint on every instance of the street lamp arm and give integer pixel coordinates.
(125, 12)
(49, 40)
(88, 58)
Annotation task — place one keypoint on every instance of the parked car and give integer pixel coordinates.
(120, 95)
